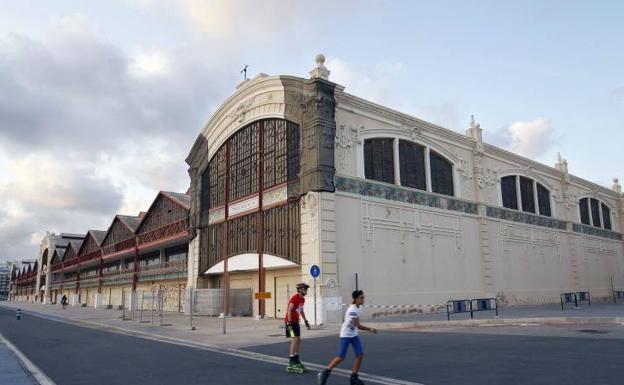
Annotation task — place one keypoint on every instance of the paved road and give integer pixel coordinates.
(493, 357)
(71, 354)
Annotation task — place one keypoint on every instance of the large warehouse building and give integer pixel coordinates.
(291, 172)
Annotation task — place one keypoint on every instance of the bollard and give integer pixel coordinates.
(18, 315)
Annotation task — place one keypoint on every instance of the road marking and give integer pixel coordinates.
(216, 349)
(34, 370)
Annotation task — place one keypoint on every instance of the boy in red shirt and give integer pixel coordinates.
(294, 310)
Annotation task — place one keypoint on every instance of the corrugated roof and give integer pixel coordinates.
(183, 199)
(131, 221)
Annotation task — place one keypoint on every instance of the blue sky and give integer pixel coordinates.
(100, 101)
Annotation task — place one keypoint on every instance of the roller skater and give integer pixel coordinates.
(293, 331)
(349, 336)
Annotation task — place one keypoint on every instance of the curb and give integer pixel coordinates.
(497, 322)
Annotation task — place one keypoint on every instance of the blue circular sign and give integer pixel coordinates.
(315, 271)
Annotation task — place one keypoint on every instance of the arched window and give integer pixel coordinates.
(441, 174)
(412, 165)
(525, 194)
(404, 162)
(594, 212)
(379, 159)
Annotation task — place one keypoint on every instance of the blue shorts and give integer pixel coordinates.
(344, 346)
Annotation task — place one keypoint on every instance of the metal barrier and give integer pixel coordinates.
(458, 306)
(618, 295)
(471, 306)
(484, 304)
(567, 298)
(583, 296)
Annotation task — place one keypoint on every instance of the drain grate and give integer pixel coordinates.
(593, 331)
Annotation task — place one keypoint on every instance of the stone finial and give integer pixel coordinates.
(616, 186)
(320, 71)
(562, 164)
(475, 131)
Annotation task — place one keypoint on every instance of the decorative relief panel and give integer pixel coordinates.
(536, 239)
(599, 246)
(409, 222)
(346, 140)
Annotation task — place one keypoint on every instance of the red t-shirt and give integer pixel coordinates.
(297, 300)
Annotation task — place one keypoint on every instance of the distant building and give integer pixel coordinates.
(5, 281)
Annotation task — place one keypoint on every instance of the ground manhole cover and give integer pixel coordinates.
(593, 331)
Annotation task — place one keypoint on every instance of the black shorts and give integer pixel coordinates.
(293, 330)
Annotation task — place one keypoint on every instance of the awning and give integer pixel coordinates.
(249, 262)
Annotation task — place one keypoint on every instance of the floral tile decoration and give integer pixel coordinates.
(380, 190)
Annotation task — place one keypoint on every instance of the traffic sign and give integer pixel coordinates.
(315, 271)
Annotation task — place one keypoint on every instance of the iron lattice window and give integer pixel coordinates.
(606, 216)
(282, 232)
(213, 244)
(280, 152)
(217, 173)
(243, 235)
(412, 165)
(543, 200)
(379, 159)
(243, 162)
(441, 174)
(595, 211)
(237, 162)
(584, 210)
(526, 195)
(510, 194)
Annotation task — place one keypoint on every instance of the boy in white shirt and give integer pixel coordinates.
(349, 336)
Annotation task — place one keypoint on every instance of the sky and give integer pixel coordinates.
(100, 102)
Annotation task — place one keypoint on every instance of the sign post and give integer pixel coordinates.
(315, 271)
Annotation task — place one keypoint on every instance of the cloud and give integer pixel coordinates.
(88, 130)
(238, 20)
(531, 139)
(376, 84)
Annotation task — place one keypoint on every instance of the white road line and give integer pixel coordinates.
(37, 373)
(216, 349)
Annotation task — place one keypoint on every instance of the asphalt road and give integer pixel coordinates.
(71, 354)
(492, 357)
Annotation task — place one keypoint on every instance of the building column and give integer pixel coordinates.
(475, 132)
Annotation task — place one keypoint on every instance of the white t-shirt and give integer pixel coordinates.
(348, 329)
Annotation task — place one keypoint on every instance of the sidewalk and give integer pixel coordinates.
(11, 370)
(241, 331)
(245, 331)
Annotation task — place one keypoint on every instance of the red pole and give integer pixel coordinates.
(136, 265)
(226, 274)
(101, 281)
(261, 278)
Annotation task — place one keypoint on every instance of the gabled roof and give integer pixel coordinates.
(57, 256)
(180, 199)
(96, 235)
(131, 222)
